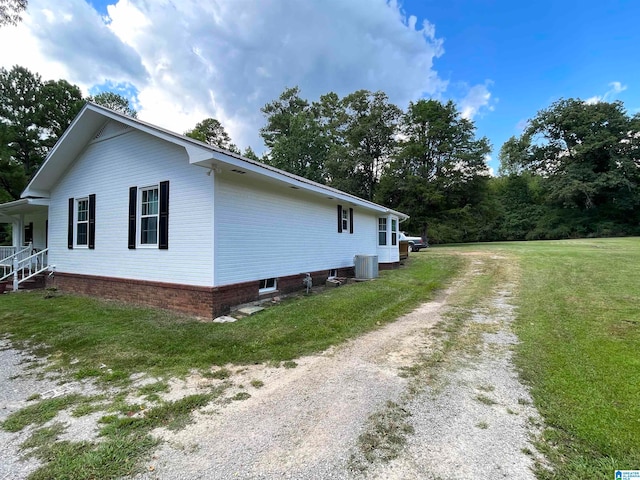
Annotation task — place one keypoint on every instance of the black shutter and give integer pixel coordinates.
(339, 218)
(133, 197)
(70, 224)
(163, 234)
(351, 220)
(92, 221)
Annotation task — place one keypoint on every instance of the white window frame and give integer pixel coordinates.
(141, 216)
(345, 220)
(77, 222)
(382, 221)
(333, 273)
(268, 285)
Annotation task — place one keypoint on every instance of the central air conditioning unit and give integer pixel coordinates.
(366, 267)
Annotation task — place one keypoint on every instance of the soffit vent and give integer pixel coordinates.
(100, 132)
(111, 129)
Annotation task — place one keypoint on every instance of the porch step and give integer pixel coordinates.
(34, 283)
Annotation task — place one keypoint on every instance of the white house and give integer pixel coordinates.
(126, 210)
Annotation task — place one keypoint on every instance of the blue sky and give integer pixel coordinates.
(534, 53)
(184, 60)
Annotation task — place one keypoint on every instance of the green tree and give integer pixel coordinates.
(439, 175)
(279, 114)
(586, 155)
(33, 114)
(295, 136)
(10, 11)
(521, 207)
(212, 132)
(249, 153)
(514, 155)
(61, 103)
(114, 101)
(366, 124)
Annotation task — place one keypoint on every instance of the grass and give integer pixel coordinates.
(41, 412)
(579, 326)
(384, 437)
(582, 303)
(257, 383)
(123, 442)
(83, 338)
(111, 341)
(578, 321)
(486, 400)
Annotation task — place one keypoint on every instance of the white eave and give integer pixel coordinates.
(11, 211)
(92, 117)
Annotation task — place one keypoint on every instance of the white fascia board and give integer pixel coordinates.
(199, 153)
(247, 165)
(23, 205)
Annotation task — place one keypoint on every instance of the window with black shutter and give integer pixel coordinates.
(149, 216)
(81, 229)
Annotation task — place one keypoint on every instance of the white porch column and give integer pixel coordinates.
(17, 231)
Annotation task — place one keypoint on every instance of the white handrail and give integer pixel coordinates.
(8, 263)
(30, 267)
(6, 252)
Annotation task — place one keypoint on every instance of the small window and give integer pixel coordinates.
(28, 233)
(394, 232)
(149, 216)
(82, 222)
(333, 273)
(382, 231)
(345, 220)
(268, 285)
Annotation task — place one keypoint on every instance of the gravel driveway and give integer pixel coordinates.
(472, 419)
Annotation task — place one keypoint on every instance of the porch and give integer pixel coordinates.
(27, 256)
(19, 265)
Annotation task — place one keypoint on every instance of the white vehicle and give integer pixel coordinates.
(415, 243)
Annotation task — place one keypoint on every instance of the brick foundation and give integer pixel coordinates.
(208, 302)
(388, 266)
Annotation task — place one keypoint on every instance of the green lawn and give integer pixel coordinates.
(110, 342)
(579, 324)
(578, 320)
(83, 334)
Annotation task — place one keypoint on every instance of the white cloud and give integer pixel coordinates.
(487, 161)
(226, 59)
(477, 99)
(614, 90)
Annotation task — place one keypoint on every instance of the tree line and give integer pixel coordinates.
(573, 172)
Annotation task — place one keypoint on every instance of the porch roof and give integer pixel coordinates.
(10, 211)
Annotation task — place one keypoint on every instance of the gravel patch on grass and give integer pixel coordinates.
(478, 420)
(23, 383)
(303, 421)
(16, 386)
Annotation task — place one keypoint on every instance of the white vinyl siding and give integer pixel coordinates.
(109, 168)
(265, 231)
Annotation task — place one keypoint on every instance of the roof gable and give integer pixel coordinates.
(95, 123)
